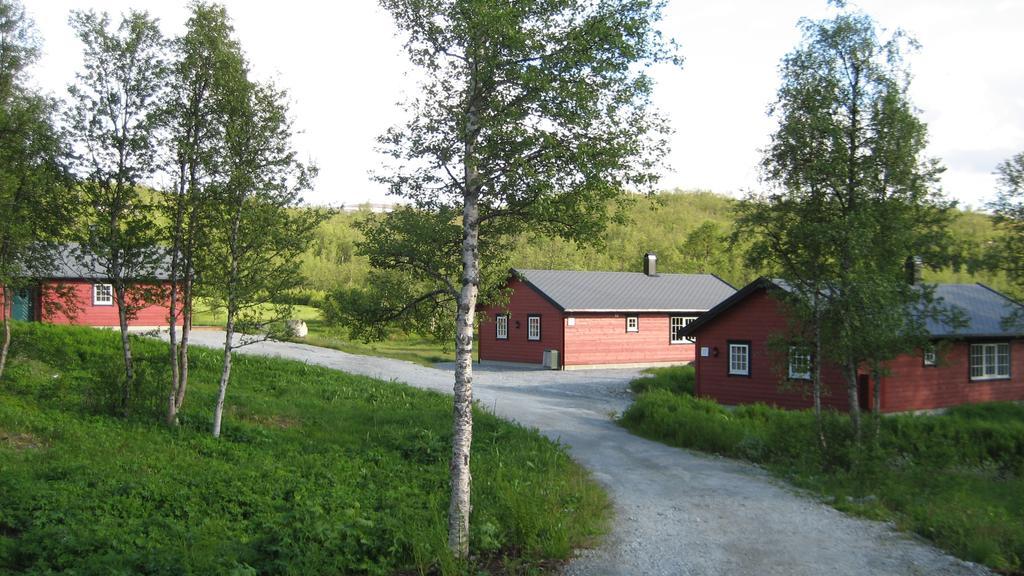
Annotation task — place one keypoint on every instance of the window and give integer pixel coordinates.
(739, 359)
(676, 325)
(102, 295)
(501, 327)
(799, 363)
(632, 323)
(990, 361)
(930, 359)
(533, 328)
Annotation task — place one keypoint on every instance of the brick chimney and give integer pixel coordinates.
(651, 264)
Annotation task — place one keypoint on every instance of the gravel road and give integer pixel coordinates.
(677, 512)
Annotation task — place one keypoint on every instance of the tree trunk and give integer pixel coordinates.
(459, 507)
(462, 424)
(876, 403)
(232, 306)
(6, 296)
(126, 347)
(186, 333)
(225, 374)
(172, 322)
(851, 388)
(816, 359)
(177, 229)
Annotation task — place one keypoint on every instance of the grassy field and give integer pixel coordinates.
(957, 479)
(412, 348)
(317, 472)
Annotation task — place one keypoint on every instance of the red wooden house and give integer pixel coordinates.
(586, 319)
(981, 362)
(91, 296)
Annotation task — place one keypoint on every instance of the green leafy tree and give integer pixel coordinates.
(533, 117)
(115, 125)
(850, 197)
(35, 194)
(257, 231)
(1009, 211)
(208, 73)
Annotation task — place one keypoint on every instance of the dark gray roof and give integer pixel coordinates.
(984, 310)
(575, 291)
(70, 262)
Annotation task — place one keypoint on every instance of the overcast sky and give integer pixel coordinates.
(344, 69)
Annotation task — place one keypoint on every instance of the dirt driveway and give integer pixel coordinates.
(677, 512)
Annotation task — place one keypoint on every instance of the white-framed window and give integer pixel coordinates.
(929, 356)
(632, 323)
(533, 328)
(799, 363)
(990, 361)
(102, 295)
(501, 327)
(676, 325)
(739, 359)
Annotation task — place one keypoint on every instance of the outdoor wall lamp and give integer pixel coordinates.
(714, 351)
(517, 324)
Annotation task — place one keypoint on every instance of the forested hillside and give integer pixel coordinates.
(688, 230)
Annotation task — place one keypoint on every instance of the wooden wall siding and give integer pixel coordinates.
(89, 315)
(756, 319)
(523, 302)
(602, 339)
(912, 386)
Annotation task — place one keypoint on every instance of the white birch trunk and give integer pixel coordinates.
(851, 389)
(6, 319)
(126, 347)
(462, 416)
(225, 375)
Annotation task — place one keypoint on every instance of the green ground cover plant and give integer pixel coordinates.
(317, 472)
(955, 478)
(422, 350)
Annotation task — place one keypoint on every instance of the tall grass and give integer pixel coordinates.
(317, 472)
(957, 479)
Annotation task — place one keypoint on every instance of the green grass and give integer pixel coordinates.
(412, 348)
(207, 314)
(675, 379)
(409, 347)
(317, 472)
(957, 479)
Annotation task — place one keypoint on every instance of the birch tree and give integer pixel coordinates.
(209, 71)
(532, 117)
(1009, 211)
(114, 123)
(259, 230)
(36, 203)
(850, 195)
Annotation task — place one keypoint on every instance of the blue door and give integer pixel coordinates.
(23, 305)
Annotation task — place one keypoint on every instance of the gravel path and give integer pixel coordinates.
(677, 512)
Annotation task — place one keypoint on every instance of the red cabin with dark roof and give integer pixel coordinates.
(586, 319)
(74, 292)
(738, 364)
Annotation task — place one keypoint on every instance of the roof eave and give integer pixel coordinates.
(632, 310)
